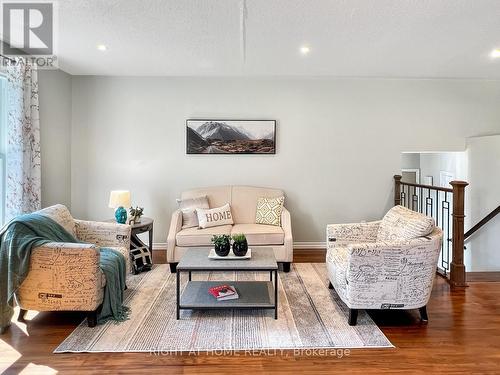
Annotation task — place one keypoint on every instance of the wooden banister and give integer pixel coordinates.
(457, 266)
(479, 225)
(438, 188)
(397, 190)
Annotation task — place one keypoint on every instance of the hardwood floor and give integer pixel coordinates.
(462, 336)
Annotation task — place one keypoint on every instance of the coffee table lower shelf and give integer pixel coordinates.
(252, 295)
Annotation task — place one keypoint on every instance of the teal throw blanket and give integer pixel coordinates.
(24, 233)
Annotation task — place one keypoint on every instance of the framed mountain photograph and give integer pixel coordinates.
(230, 136)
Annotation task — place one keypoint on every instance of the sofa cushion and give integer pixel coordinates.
(244, 202)
(269, 211)
(260, 234)
(61, 215)
(401, 223)
(188, 208)
(200, 237)
(217, 195)
(215, 217)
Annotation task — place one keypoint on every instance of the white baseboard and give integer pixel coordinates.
(159, 246)
(309, 245)
(296, 245)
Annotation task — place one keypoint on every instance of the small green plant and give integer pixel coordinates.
(221, 240)
(136, 212)
(239, 238)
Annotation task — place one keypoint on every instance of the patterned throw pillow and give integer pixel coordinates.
(188, 208)
(141, 259)
(215, 216)
(269, 211)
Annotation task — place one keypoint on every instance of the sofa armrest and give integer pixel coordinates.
(342, 234)
(286, 225)
(103, 234)
(63, 276)
(175, 227)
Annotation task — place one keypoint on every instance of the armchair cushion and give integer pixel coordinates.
(103, 234)
(116, 236)
(338, 234)
(401, 223)
(61, 215)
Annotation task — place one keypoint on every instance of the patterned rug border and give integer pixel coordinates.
(141, 279)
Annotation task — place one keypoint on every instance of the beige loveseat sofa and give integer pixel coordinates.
(243, 201)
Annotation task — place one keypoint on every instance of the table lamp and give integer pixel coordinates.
(119, 199)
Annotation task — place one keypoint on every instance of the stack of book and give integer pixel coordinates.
(224, 292)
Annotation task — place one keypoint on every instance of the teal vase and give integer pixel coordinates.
(121, 215)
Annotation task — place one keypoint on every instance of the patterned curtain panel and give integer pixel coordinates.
(22, 148)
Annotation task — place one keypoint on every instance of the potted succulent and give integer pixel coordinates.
(135, 214)
(240, 245)
(222, 244)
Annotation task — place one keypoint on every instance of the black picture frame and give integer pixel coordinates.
(205, 142)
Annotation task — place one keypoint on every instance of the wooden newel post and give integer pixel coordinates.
(397, 190)
(457, 267)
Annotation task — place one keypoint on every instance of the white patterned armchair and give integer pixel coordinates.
(387, 264)
(66, 276)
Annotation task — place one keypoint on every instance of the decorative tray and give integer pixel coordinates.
(230, 256)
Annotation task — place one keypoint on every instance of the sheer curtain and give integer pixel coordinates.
(21, 140)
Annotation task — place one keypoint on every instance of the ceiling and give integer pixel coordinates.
(347, 38)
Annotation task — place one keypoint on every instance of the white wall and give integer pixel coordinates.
(432, 164)
(338, 140)
(55, 134)
(483, 249)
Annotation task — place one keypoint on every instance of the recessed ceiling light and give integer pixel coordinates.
(495, 54)
(102, 47)
(305, 50)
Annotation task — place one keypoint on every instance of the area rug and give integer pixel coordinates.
(310, 316)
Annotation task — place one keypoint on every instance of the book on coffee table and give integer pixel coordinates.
(224, 292)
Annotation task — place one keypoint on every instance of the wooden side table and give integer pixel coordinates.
(146, 225)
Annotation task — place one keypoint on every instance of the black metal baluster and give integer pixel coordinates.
(431, 203)
(421, 201)
(437, 207)
(414, 199)
(448, 239)
(405, 188)
(408, 197)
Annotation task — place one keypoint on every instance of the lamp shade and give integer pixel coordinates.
(119, 198)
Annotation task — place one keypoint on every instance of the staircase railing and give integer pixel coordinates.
(446, 206)
(479, 225)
